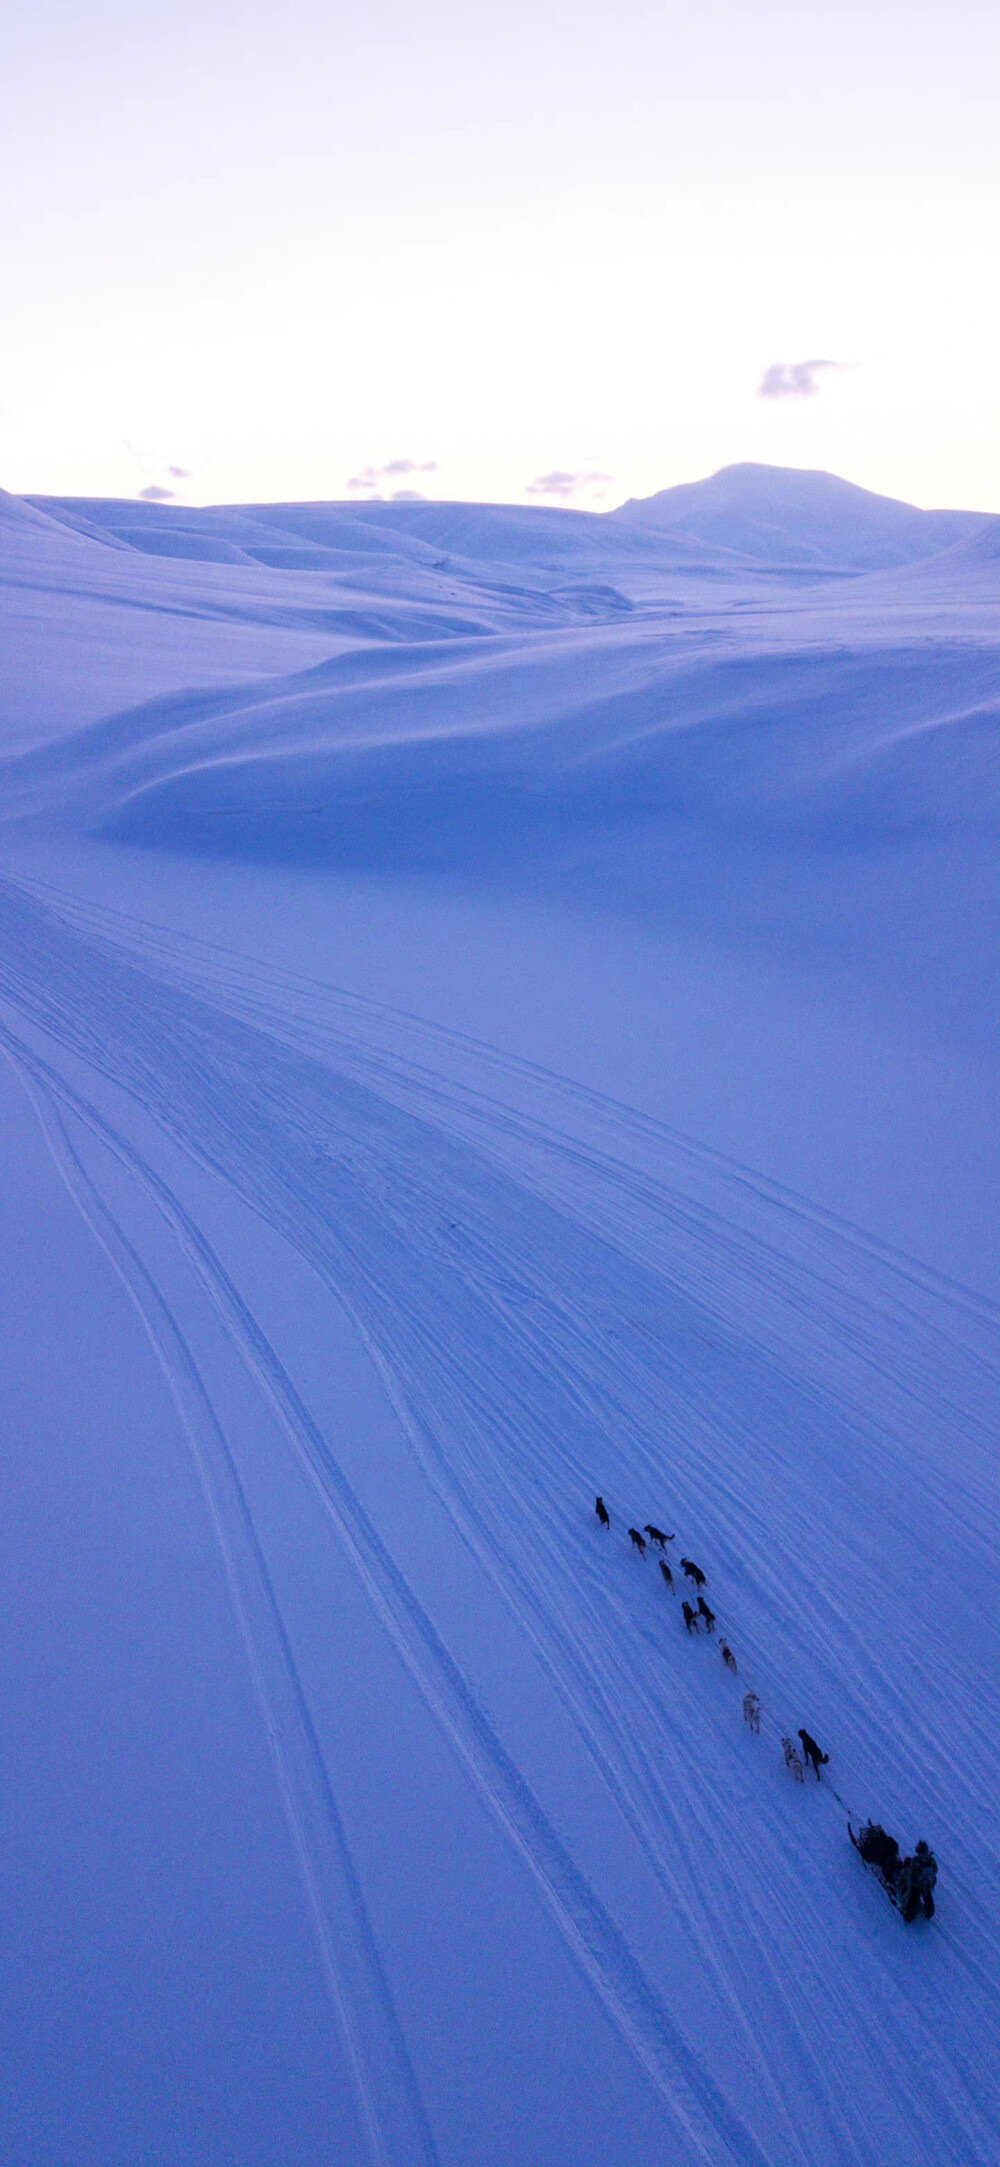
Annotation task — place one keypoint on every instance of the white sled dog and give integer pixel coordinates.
(793, 1760)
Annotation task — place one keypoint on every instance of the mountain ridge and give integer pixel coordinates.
(772, 519)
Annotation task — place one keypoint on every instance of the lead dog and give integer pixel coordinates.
(812, 1754)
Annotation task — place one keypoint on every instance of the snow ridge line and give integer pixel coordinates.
(392, 2116)
(596, 1943)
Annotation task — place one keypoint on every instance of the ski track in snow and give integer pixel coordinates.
(687, 2089)
(392, 2116)
(562, 1299)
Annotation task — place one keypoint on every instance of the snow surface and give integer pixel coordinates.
(498, 1007)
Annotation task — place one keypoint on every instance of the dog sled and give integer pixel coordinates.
(908, 1883)
(873, 1848)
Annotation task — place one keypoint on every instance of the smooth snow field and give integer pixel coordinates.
(498, 1007)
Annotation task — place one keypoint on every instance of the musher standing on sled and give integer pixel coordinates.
(915, 1885)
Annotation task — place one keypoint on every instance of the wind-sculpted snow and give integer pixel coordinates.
(103, 608)
(829, 773)
(563, 1298)
(817, 760)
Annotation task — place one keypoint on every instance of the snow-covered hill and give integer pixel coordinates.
(784, 516)
(496, 1009)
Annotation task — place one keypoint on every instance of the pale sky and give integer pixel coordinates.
(470, 249)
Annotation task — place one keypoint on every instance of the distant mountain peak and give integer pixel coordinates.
(799, 516)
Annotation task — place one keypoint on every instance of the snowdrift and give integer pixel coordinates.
(805, 758)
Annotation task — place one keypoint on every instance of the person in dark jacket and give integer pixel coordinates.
(917, 1876)
(816, 1759)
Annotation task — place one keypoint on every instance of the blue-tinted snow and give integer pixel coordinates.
(499, 1008)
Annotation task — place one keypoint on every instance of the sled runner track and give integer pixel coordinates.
(283, 997)
(818, 1302)
(677, 1382)
(686, 2088)
(369, 1173)
(815, 1294)
(734, 2012)
(395, 2128)
(594, 1328)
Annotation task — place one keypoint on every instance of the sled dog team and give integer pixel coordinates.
(700, 1615)
(909, 1882)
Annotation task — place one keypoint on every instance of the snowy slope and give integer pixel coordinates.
(365, 1801)
(800, 758)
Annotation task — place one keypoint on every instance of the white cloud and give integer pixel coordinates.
(161, 467)
(793, 379)
(560, 483)
(371, 478)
